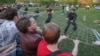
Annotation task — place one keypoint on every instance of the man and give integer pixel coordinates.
(8, 29)
(36, 14)
(25, 10)
(30, 35)
(49, 12)
(51, 35)
(63, 7)
(67, 9)
(71, 20)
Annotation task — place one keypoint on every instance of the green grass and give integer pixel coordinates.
(83, 33)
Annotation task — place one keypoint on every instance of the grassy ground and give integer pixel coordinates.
(83, 33)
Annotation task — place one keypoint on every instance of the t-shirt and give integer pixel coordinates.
(8, 31)
(49, 10)
(72, 16)
(44, 51)
(29, 42)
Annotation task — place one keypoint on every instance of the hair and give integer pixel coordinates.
(2, 15)
(51, 33)
(10, 13)
(47, 6)
(73, 9)
(23, 23)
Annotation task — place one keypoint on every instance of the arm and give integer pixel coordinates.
(7, 47)
(75, 17)
(62, 37)
(39, 31)
(75, 50)
(10, 48)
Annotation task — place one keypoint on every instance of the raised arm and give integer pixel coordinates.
(75, 50)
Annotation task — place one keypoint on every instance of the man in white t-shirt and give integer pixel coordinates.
(67, 9)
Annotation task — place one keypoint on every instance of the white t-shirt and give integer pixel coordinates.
(67, 8)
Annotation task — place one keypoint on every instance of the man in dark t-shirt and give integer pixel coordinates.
(36, 14)
(71, 20)
(25, 11)
(49, 12)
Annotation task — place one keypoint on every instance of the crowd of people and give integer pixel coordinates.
(33, 41)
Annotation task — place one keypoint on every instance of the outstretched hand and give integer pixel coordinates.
(76, 41)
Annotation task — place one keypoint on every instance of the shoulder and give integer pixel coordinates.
(65, 54)
(42, 43)
(8, 24)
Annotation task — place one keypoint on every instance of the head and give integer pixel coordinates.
(26, 24)
(73, 10)
(47, 6)
(37, 8)
(51, 33)
(11, 14)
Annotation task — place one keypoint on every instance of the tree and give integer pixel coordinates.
(7, 1)
(46, 2)
(86, 2)
(73, 2)
(63, 1)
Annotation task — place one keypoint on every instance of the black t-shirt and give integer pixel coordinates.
(72, 16)
(26, 9)
(36, 11)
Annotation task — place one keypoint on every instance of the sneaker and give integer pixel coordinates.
(96, 42)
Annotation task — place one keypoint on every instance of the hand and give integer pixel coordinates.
(38, 29)
(62, 37)
(71, 20)
(52, 12)
(76, 42)
(66, 18)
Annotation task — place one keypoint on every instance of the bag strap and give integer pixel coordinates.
(55, 53)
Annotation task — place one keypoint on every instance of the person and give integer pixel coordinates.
(71, 20)
(63, 7)
(49, 44)
(67, 9)
(8, 29)
(25, 10)
(49, 12)
(87, 7)
(30, 35)
(36, 14)
(77, 6)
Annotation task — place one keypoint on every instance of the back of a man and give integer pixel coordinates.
(44, 51)
(29, 43)
(29, 35)
(8, 31)
(51, 34)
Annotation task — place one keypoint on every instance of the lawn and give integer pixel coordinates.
(83, 33)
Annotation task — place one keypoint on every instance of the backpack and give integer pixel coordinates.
(55, 53)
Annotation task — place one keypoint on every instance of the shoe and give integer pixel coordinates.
(96, 42)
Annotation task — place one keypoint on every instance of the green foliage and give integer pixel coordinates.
(68, 1)
(73, 2)
(46, 2)
(7, 1)
(63, 1)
